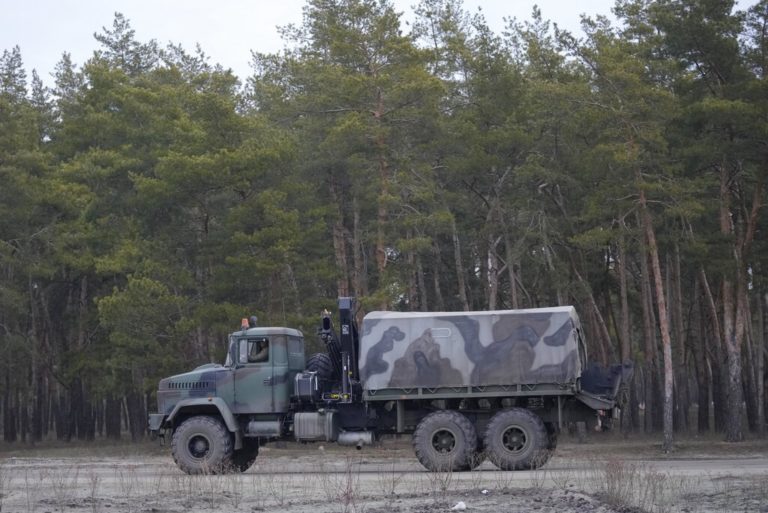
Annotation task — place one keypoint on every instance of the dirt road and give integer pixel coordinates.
(601, 476)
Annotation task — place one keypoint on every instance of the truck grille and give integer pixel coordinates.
(189, 385)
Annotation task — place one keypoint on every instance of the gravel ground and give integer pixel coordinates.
(602, 475)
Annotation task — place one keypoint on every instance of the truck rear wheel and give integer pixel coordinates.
(322, 364)
(516, 439)
(202, 445)
(445, 441)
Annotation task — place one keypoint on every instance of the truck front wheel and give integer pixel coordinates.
(202, 445)
(445, 441)
(516, 439)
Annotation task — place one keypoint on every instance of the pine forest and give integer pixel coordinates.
(150, 199)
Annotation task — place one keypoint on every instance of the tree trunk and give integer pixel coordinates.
(75, 407)
(85, 423)
(23, 415)
(601, 330)
(39, 403)
(383, 199)
(700, 361)
(423, 302)
(439, 302)
(649, 337)
(610, 352)
(412, 286)
(626, 416)
(596, 337)
(750, 365)
(137, 418)
(492, 275)
(513, 293)
(681, 376)
(624, 331)
(718, 364)
(360, 279)
(9, 420)
(459, 266)
(59, 411)
(731, 331)
(666, 341)
(98, 415)
(113, 417)
(760, 350)
(339, 243)
(733, 422)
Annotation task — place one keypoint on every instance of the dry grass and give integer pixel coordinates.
(100, 448)
(342, 483)
(440, 482)
(64, 484)
(389, 481)
(6, 482)
(94, 482)
(503, 480)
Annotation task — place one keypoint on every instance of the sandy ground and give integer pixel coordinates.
(602, 475)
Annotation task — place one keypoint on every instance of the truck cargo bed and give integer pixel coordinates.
(482, 354)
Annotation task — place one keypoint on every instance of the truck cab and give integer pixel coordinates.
(228, 409)
(264, 363)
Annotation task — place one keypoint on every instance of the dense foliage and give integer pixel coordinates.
(149, 199)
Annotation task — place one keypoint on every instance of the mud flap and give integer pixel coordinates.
(595, 402)
(155, 427)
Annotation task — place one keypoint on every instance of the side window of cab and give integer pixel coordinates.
(254, 350)
(295, 352)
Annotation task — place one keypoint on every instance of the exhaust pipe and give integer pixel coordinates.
(356, 438)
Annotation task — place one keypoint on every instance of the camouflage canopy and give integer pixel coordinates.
(505, 347)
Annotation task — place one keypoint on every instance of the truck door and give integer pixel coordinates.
(282, 378)
(254, 375)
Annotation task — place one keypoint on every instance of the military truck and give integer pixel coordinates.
(467, 386)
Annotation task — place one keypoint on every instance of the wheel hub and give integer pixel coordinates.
(443, 441)
(514, 439)
(199, 446)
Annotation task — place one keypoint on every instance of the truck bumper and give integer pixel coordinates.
(156, 421)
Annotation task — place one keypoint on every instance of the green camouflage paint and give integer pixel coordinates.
(245, 387)
(510, 347)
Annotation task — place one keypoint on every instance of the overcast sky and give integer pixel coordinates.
(227, 30)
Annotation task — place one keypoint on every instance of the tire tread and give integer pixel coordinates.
(218, 431)
(423, 431)
(322, 364)
(534, 458)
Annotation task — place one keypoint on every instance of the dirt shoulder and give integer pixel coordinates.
(605, 474)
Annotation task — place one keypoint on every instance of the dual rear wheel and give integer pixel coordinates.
(514, 439)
